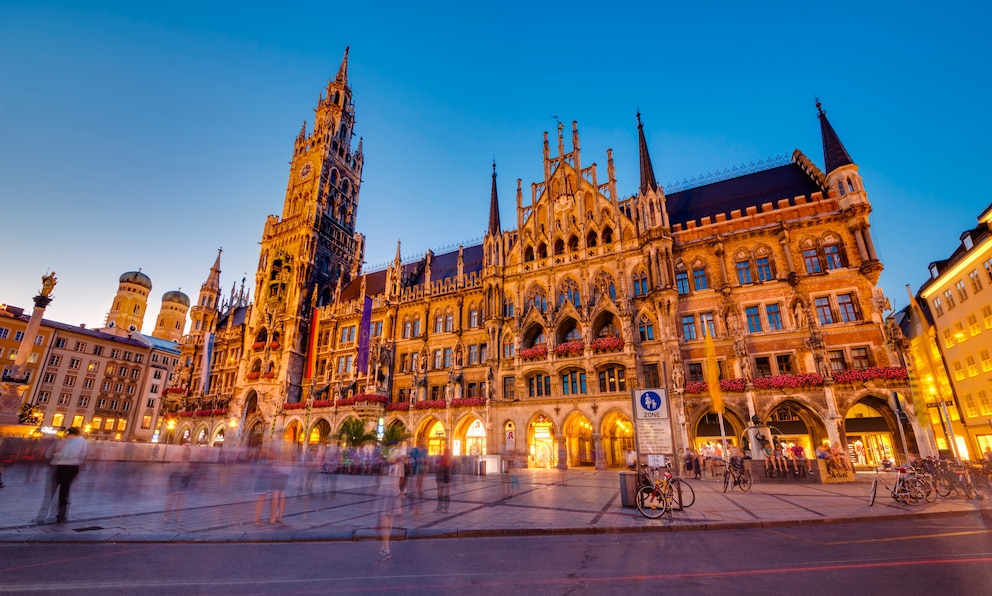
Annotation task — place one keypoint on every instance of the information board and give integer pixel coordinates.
(652, 423)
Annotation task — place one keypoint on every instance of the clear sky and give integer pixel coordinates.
(148, 134)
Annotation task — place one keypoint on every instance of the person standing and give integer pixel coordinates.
(443, 478)
(66, 457)
(389, 504)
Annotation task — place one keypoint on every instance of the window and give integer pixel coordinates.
(682, 282)
(126, 406)
(39, 339)
(43, 397)
(949, 297)
(60, 343)
(973, 327)
(138, 358)
(64, 399)
(784, 364)
(744, 272)
(812, 261)
(573, 383)
(344, 364)
(508, 349)
(447, 358)
(348, 334)
(983, 402)
(837, 360)
(972, 366)
(118, 387)
(645, 331)
(569, 291)
(774, 317)
(4, 333)
(699, 279)
(376, 328)
(688, 327)
(69, 381)
(831, 254)
(938, 306)
(762, 366)
(958, 371)
(969, 406)
(449, 323)
(976, 281)
(823, 312)
(93, 366)
(97, 350)
(847, 307)
(764, 267)
(146, 422)
(18, 335)
(416, 328)
(130, 389)
(508, 308)
(706, 322)
(105, 386)
(115, 354)
(508, 391)
(48, 378)
(986, 361)
(611, 380)
(407, 329)
(860, 358)
(55, 360)
(154, 389)
(474, 318)
(987, 316)
(962, 291)
(121, 371)
(640, 283)
(438, 323)
(948, 339)
(651, 378)
(87, 383)
(437, 360)
(753, 319)
(84, 400)
(113, 404)
(127, 356)
(77, 420)
(473, 355)
(988, 268)
(58, 419)
(96, 422)
(135, 373)
(695, 372)
(539, 385)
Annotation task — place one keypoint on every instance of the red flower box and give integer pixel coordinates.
(398, 407)
(468, 402)
(270, 375)
(430, 403)
(535, 353)
(258, 345)
(570, 348)
(607, 344)
(871, 373)
(253, 375)
(274, 345)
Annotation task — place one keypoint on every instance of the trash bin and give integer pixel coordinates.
(628, 489)
(480, 467)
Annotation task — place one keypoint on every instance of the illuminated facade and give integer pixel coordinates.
(957, 298)
(528, 344)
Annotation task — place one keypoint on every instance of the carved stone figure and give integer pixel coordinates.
(48, 283)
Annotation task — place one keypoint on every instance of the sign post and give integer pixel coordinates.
(652, 424)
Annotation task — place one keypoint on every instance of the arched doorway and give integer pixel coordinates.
(218, 438)
(293, 433)
(542, 452)
(794, 423)
(434, 435)
(185, 435)
(320, 432)
(872, 435)
(707, 431)
(618, 438)
(579, 447)
(256, 435)
(470, 437)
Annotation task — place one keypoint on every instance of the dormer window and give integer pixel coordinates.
(966, 240)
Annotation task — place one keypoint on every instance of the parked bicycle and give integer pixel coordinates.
(736, 475)
(953, 478)
(681, 492)
(906, 488)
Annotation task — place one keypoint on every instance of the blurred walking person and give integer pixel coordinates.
(389, 504)
(66, 456)
(443, 478)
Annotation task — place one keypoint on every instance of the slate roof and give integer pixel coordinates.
(751, 190)
(443, 266)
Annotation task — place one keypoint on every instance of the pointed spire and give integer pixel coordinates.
(494, 227)
(213, 280)
(303, 130)
(398, 259)
(343, 71)
(647, 171)
(834, 153)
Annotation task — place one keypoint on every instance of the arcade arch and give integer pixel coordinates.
(618, 438)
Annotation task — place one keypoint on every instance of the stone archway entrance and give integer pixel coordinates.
(470, 437)
(578, 441)
(293, 435)
(618, 438)
(541, 449)
(707, 431)
(870, 427)
(320, 432)
(256, 436)
(794, 423)
(433, 433)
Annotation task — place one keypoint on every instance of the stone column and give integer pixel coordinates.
(597, 445)
(15, 384)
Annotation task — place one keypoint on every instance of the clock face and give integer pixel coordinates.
(305, 170)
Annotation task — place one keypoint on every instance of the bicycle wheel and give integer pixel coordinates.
(688, 495)
(969, 490)
(726, 481)
(944, 485)
(745, 481)
(873, 492)
(929, 490)
(650, 502)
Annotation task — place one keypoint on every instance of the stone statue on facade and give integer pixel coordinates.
(48, 284)
(678, 372)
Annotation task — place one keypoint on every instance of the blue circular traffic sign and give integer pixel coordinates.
(650, 401)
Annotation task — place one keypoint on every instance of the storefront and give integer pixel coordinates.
(436, 438)
(471, 438)
(578, 441)
(618, 438)
(869, 439)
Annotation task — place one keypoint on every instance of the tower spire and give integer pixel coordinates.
(343, 71)
(494, 227)
(213, 280)
(647, 171)
(834, 153)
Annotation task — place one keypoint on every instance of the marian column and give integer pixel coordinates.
(15, 383)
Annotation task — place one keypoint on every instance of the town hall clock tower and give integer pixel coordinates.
(306, 253)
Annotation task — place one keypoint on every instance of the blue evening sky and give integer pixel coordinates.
(148, 134)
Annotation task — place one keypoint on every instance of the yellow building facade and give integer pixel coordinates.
(958, 300)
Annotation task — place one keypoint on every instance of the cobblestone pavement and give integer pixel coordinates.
(114, 502)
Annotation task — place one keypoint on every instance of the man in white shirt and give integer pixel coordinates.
(66, 457)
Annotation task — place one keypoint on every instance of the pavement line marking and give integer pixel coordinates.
(871, 540)
(602, 511)
(784, 500)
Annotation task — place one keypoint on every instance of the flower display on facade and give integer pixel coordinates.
(535, 353)
(294, 406)
(788, 381)
(367, 398)
(253, 375)
(468, 402)
(570, 348)
(607, 344)
(430, 403)
(398, 407)
(270, 375)
(258, 345)
(871, 373)
(727, 385)
(175, 390)
(274, 345)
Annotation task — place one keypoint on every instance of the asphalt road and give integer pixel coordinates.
(939, 556)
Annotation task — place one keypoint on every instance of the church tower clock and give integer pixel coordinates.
(308, 250)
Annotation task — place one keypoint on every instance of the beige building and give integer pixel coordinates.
(959, 303)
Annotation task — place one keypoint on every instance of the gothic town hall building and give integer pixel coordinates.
(529, 344)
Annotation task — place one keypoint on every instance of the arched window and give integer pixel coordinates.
(607, 236)
(573, 382)
(591, 239)
(536, 298)
(573, 243)
(559, 246)
(604, 287)
(528, 254)
(640, 283)
(569, 290)
(645, 329)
